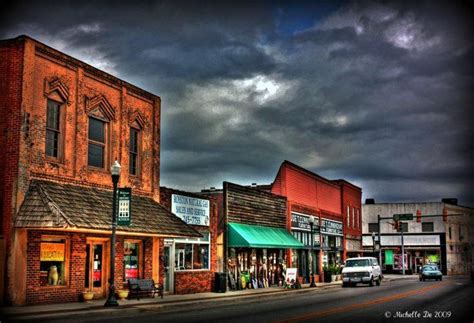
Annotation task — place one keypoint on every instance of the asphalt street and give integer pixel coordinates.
(397, 301)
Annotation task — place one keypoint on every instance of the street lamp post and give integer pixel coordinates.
(111, 301)
(311, 224)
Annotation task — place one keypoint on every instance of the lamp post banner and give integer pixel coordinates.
(124, 206)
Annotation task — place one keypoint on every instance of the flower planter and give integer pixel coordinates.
(316, 278)
(338, 278)
(87, 296)
(333, 278)
(122, 294)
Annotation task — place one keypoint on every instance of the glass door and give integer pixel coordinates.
(169, 267)
(95, 270)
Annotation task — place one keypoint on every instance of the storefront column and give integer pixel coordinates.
(155, 265)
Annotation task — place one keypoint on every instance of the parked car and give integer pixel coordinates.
(364, 270)
(430, 272)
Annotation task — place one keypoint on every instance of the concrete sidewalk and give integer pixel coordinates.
(38, 311)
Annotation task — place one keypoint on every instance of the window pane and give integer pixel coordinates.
(52, 263)
(427, 227)
(96, 130)
(52, 117)
(96, 155)
(52, 143)
(373, 227)
(201, 256)
(133, 140)
(130, 260)
(133, 164)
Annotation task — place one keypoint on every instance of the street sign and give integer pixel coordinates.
(124, 206)
(405, 216)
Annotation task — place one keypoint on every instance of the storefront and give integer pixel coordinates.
(332, 247)
(305, 259)
(189, 263)
(64, 231)
(257, 255)
(419, 250)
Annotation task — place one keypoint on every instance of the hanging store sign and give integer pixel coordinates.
(331, 227)
(301, 222)
(191, 210)
(124, 203)
(52, 251)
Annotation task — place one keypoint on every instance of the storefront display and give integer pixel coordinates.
(52, 262)
(131, 260)
(257, 268)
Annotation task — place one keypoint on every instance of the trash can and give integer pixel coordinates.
(220, 284)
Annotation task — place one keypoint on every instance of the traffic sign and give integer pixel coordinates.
(405, 216)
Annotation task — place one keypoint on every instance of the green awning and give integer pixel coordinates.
(254, 236)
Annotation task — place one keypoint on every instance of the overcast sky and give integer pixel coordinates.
(377, 93)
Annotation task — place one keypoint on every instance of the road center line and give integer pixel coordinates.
(352, 307)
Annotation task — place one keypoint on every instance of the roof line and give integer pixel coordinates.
(53, 207)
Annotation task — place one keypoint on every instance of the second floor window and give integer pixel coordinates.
(53, 129)
(348, 216)
(427, 227)
(97, 137)
(373, 227)
(134, 151)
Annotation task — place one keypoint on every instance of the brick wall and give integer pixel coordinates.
(36, 294)
(11, 70)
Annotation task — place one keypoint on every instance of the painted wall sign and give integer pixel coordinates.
(330, 227)
(52, 251)
(124, 216)
(191, 210)
(301, 222)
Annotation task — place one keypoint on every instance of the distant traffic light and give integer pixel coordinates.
(445, 214)
(418, 216)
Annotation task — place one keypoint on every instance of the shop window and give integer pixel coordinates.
(132, 259)
(192, 254)
(427, 227)
(97, 143)
(53, 261)
(53, 129)
(134, 151)
(373, 227)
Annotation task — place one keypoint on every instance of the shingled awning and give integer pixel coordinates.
(50, 205)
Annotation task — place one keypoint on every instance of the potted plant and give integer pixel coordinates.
(87, 295)
(338, 272)
(122, 294)
(333, 269)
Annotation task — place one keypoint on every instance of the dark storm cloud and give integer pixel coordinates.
(377, 93)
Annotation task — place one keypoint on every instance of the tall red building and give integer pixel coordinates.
(336, 233)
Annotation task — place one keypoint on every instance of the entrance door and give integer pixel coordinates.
(95, 279)
(169, 267)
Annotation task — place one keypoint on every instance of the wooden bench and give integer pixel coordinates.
(144, 287)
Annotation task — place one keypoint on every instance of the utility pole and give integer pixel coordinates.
(403, 250)
(380, 242)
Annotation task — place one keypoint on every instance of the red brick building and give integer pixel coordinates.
(190, 264)
(310, 195)
(63, 124)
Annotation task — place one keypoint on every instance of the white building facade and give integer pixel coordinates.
(450, 243)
